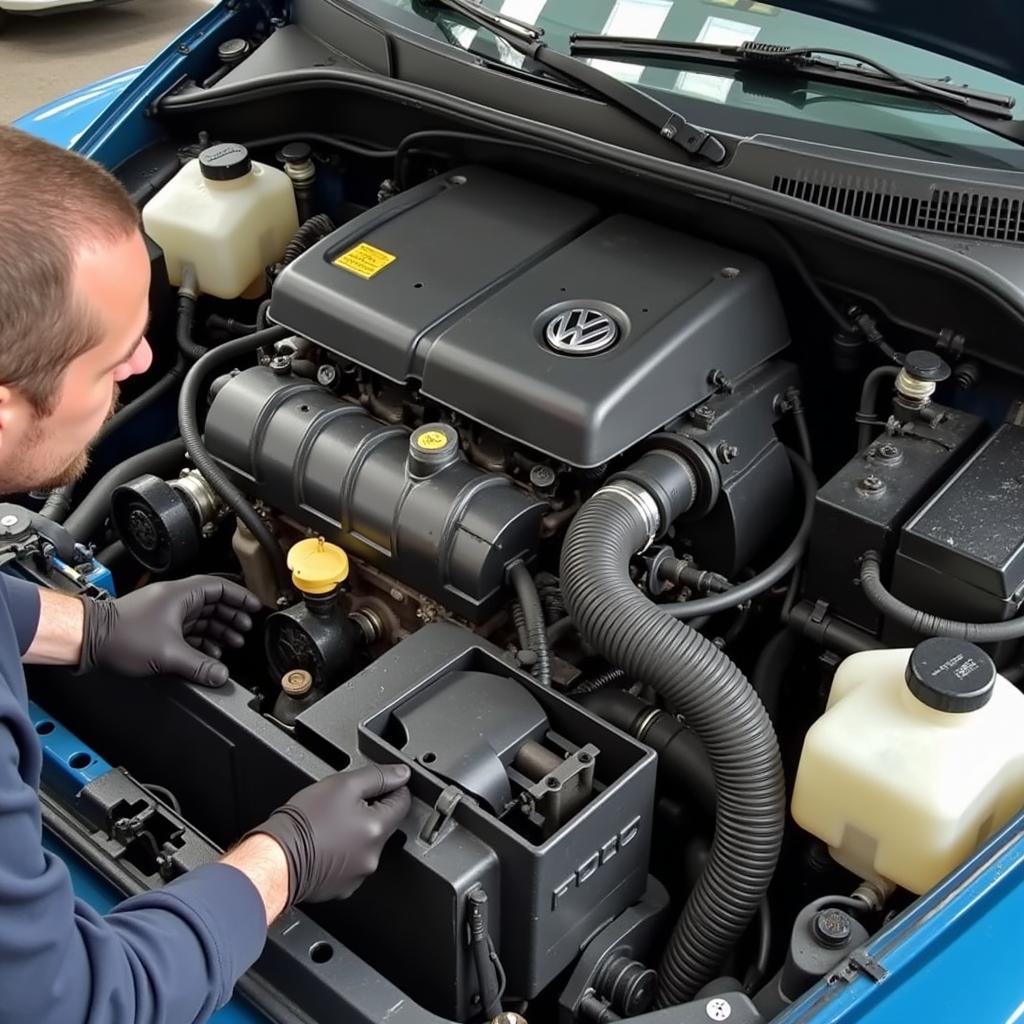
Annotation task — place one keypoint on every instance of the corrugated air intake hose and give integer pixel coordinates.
(697, 681)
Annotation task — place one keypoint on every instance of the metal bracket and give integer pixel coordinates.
(443, 809)
(859, 962)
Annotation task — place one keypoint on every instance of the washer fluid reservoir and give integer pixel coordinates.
(918, 758)
(227, 215)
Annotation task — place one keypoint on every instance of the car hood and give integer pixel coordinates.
(987, 34)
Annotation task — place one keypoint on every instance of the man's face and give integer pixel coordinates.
(111, 279)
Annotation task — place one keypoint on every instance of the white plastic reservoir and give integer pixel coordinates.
(227, 215)
(918, 758)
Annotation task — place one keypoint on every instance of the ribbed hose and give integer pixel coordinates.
(310, 231)
(533, 619)
(699, 682)
(923, 623)
(188, 424)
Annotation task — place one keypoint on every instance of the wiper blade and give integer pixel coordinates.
(526, 39)
(815, 63)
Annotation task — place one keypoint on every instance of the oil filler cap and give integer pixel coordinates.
(432, 447)
(950, 675)
(317, 565)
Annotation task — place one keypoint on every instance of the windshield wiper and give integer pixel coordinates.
(991, 111)
(525, 39)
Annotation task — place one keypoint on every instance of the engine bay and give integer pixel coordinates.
(564, 507)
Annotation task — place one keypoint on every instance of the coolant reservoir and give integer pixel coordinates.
(227, 215)
(917, 759)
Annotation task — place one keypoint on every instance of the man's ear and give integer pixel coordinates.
(12, 414)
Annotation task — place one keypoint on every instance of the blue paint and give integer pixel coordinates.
(953, 956)
(63, 120)
(68, 764)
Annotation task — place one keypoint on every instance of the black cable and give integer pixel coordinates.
(759, 970)
(336, 141)
(923, 623)
(58, 503)
(868, 409)
(533, 617)
(163, 793)
(309, 233)
(767, 578)
(188, 412)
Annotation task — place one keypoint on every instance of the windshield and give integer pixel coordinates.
(773, 105)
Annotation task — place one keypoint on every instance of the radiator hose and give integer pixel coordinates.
(698, 682)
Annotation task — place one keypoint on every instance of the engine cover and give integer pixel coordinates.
(570, 331)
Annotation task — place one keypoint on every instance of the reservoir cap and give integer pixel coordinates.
(950, 675)
(225, 162)
(317, 565)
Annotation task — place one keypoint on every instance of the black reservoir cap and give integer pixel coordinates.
(924, 365)
(950, 675)
(225, 162)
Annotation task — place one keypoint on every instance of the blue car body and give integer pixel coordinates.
(954, 956)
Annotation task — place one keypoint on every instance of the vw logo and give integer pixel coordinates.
(581, 332)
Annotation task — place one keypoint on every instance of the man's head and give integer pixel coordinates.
(74, 287)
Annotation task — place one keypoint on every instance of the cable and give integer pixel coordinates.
(533, 619)
(188, 406)
(757, 972)
(767, 578)
(869, 402)
(924, 623)
(163, 793)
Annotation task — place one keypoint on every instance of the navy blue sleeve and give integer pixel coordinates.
(170, 956)
(22, 601)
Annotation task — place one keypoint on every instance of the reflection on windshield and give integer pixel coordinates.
(643, 18)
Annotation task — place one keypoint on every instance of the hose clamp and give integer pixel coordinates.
(642, 502)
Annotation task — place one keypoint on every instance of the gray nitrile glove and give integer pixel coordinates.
(177, 628)
(333, 832)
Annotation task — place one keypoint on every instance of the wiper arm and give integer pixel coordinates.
(526, 40)
(810, 62)
(991, 111)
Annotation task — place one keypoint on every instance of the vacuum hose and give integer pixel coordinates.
(923, 623)
(697, 681)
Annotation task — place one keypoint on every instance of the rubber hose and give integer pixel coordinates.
(869, 401)
(923, 623)
(770, 669)
(702, 684)
(533, 617)
(84, 523)
(310, 232)
(58, 503)
(188, 405)
(767, 578)
(190, 349)
(682, 761)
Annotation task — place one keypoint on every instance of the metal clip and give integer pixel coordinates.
(443, 810)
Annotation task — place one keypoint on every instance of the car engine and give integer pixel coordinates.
(523, 480)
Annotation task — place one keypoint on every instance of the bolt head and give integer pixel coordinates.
(326, 375)
(871, 484)
(832, 927)
(9, 520)
(542, 476)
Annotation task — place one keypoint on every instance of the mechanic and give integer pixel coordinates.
(74, 284)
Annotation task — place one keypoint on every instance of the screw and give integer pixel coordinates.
(872, 485)
(281, 364)
(726, 452)
(9, 520)
(832, 927)
(396, 594)
(326, 375)
(542, 477)
(718, 1009)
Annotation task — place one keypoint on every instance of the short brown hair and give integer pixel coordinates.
(52, 202)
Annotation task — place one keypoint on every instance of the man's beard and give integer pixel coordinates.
(27, 474)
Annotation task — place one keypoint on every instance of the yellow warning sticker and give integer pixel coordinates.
(431, 440)
(365, 260)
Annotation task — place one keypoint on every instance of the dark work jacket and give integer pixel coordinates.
(165, 957)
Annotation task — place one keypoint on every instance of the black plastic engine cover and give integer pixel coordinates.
(454, 284)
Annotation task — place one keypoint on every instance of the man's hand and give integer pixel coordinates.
(333, 832)
(178, 628)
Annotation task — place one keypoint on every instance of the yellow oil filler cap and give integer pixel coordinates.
(317, 566)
